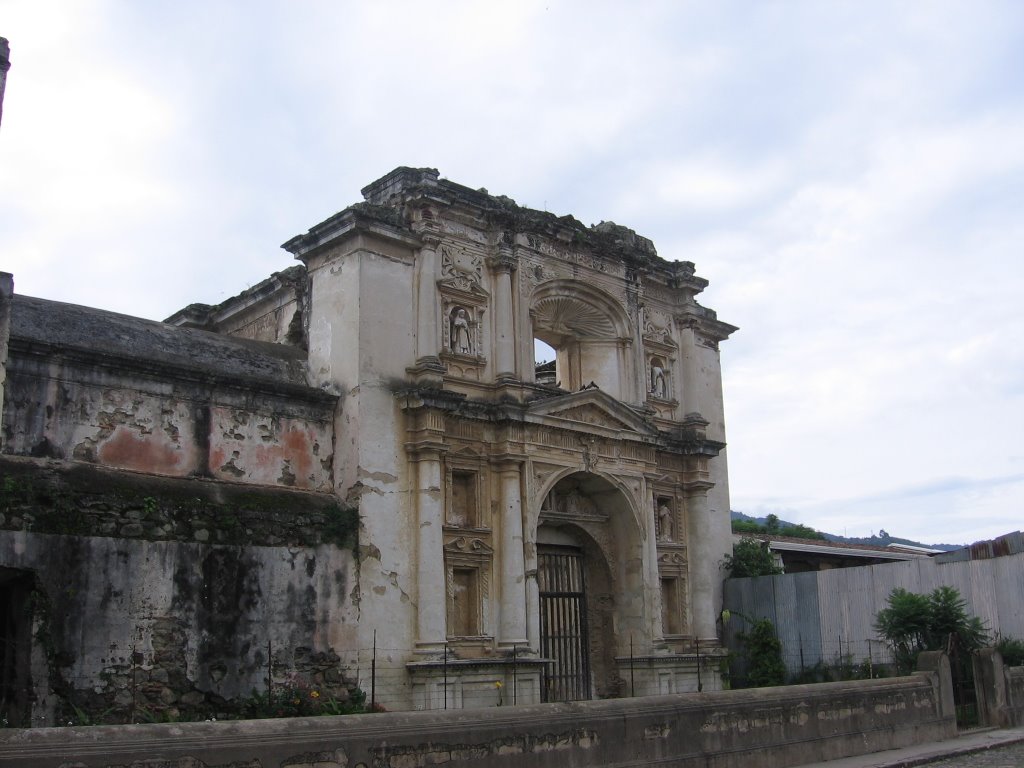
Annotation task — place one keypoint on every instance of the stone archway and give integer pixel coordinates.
(590, 586)
(590, 335)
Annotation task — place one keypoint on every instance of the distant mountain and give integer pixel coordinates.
(881, 539)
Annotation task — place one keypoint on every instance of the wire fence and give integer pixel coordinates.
(846, 658)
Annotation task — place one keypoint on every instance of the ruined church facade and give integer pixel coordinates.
(526, 532)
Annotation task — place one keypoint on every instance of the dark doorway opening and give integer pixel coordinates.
(15, 646)
(563, 624)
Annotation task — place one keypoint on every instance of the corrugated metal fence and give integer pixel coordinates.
(828, 617)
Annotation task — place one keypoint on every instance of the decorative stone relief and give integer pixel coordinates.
(672, 563)
(569, 316)
(661, 350)
(571, 505)
(658, 334)
(463, 304)
(461, 269)
(472, 546)
(588, 414)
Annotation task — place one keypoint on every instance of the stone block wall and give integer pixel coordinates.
(759, 728)
(1015, 685)
(147, 597)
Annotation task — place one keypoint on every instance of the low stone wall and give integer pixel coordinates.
(758, 728)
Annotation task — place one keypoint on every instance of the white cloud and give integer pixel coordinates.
(849, 177)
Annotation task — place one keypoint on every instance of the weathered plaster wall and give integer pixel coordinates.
(760, 728)
(361, 339)
(6, 292)
(170, 596)
(174, 425)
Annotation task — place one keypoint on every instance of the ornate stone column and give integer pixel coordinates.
(533, 609)
(431, 589)
(427, 324)
(512, 626)
(703, 559)
(504, 322)
(689, 367)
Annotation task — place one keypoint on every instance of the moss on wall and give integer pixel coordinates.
(84, 500)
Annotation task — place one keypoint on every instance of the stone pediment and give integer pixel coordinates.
(590, 408)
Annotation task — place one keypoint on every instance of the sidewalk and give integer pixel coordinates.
(971, 741)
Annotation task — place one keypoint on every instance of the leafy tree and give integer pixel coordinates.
(751, 557)
(801, 532)
(914, 623)
(747, 526)
(776, 527)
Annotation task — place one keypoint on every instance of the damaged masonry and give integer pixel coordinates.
(360, 453)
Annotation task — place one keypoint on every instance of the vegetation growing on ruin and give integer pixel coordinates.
(83, 500)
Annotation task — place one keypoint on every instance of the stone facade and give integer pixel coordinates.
(556, 533)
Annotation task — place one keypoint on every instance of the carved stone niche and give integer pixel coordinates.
(465, 498)
(666, 520)
(672, 572)
(463, 303)
(467, 561)
(660, 355)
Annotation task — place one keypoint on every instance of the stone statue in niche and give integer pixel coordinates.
(665, 532)
(659, 380)
(461, 337)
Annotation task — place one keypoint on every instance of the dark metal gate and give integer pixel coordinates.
(961, 666)
(563, 624)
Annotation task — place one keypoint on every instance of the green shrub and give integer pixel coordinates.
(914, 623)
(1012, 650)
(764, 655)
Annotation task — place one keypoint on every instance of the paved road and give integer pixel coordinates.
(980, 748)
(1011, 756)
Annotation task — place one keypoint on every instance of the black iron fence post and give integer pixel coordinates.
(515, 648)
(632, 679)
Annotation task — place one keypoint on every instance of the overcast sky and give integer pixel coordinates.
(849, 176)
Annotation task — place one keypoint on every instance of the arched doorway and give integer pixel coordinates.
(564, 629)
(590, 586)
